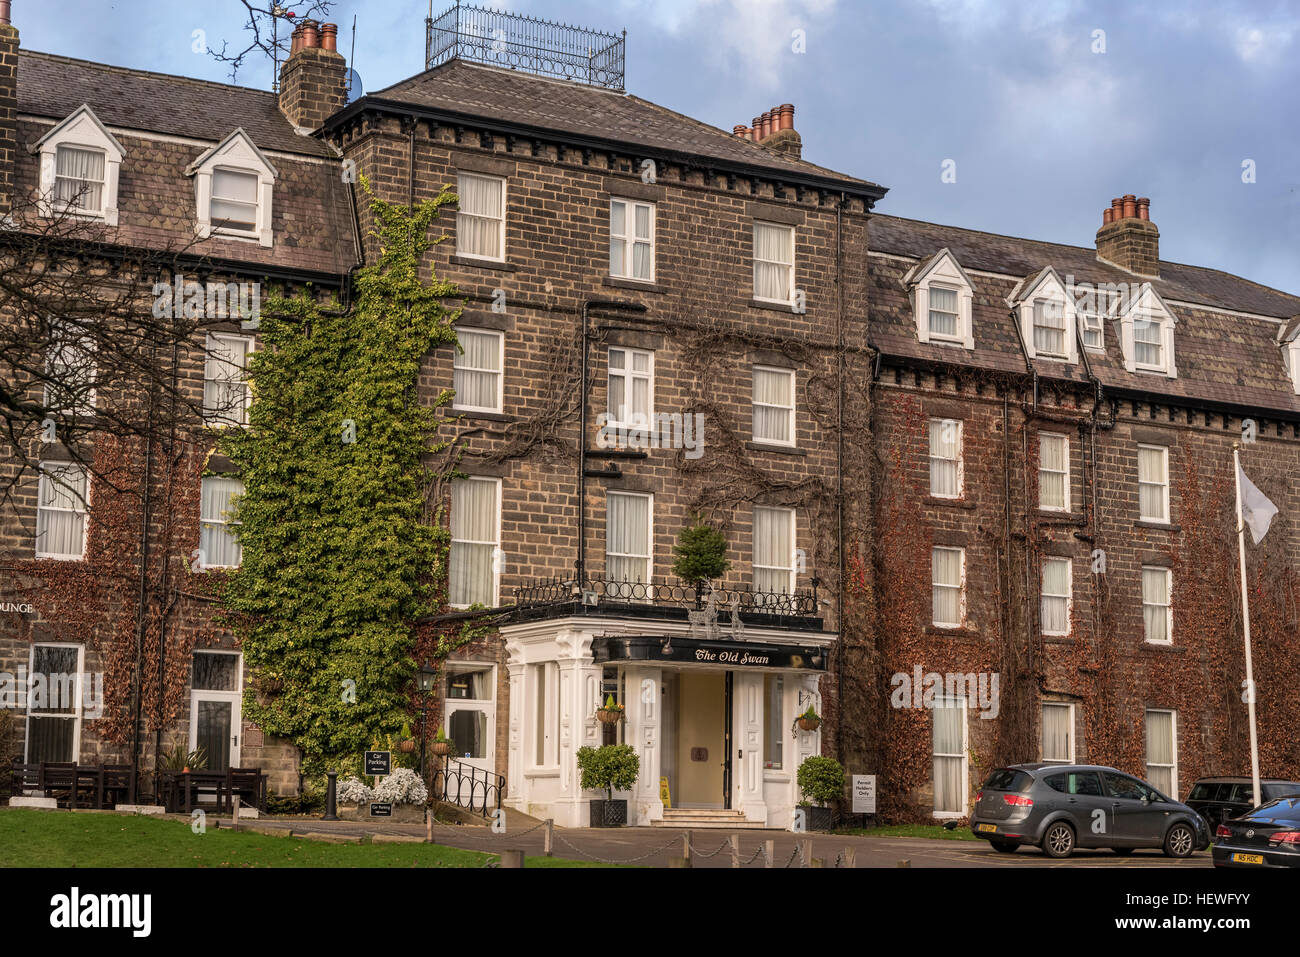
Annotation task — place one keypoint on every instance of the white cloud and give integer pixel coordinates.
(753, 37)
(1262, 45)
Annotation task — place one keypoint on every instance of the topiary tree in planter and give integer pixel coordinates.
(821, 780)
(612, 767)
(701, 554)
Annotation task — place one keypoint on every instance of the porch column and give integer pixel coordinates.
(516, 786)
(807, 743)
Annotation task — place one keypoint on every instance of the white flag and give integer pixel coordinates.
(1256, 510)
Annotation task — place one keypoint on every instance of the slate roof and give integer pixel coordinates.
(564, 107)
(54, 86)
(1222, 359)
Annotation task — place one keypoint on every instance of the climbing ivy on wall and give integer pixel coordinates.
(339, 555)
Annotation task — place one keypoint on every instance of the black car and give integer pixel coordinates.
(1060, 807)
(1217, 799)
(1268, 836)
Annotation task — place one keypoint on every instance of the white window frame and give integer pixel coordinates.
(961, 587)
(1291, 360)
(81, 130)
(543, 695)
(1092, 322)
(630, 238)
(84, 510)
(1027, 300)
(496, 544)
(501, 225)
(237, 153)
(459, 357)
(77, 698)
(790, 409)
(614, 419)
(792, 265)
(944, 272)
(1164, 519)
(792, 569)
(1039, 312)
(1147, 764)
(1168, 605)
(214, 418)
(1068, 596)
(960, 458)
(1042, 725)
(650, 534)
(960, 703)
(1065, 475)
(226, 524)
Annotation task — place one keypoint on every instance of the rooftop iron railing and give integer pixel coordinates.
(484, 35)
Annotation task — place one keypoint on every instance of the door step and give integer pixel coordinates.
(703, 818)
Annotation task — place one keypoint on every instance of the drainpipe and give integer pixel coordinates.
(137, 696)
(839, 475)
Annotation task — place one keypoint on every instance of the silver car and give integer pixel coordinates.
(1059, 807)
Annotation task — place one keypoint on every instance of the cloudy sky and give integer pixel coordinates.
(1046, 108)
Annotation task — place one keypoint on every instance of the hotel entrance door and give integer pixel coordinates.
(703, 749)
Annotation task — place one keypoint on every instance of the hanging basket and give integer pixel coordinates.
(809, 724)
(441, 748)
(609, 715)
(407, 746)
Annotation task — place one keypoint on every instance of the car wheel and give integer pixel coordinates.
(1180, 841)
(1059, 840)
(1122, 851)
(1006, 847)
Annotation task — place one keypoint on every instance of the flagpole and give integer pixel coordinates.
(1245, 618)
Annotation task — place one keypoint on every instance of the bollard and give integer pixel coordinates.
(850, 857)
(906, 863)
(331, 796)
(769, 853)
(686, 847)
(679, 862)
(512, 858)
(548, 835)
(234, 817)
(428, 826)
(805, 853)
(735, 850)
(818, 862)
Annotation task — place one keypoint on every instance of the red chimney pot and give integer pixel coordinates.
(787, 116)
(1107, 216)
(1144, 208)
(329, 36)
(1130, 206)
(310, 35)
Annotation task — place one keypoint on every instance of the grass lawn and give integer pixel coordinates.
(30, 838)
(933, 831)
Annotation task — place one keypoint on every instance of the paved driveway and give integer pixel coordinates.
(653, 847)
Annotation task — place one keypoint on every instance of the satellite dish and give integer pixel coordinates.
(355, 90)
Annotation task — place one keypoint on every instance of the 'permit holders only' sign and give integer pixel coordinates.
(379, 762)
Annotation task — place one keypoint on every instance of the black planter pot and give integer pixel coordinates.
(608, 813)
(818, 818)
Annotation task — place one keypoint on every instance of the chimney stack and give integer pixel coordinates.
(775, 130)
(1128, 238)
(8, 109)
(314, 80)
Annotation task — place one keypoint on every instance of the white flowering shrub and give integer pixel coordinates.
(403, 786)
(355, 791)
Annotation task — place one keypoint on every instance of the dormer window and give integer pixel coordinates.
(1146, 328)
(1093, 331)
(1049, 329)
(234, 184)
(942, 294)
(1289, 338)
(79, 164)
(1046, 316)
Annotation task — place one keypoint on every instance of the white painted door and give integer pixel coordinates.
(215, 708)
(469, 714)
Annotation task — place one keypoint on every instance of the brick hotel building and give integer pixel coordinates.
(927, 447)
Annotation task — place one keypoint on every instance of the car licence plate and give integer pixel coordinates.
(993, 828)
(1248, 858)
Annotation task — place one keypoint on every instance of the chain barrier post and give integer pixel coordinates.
(735, 850)
(548, 836)
(850, 857)
(686, 847)
(512, 858)
(805, 853)
(769, 853)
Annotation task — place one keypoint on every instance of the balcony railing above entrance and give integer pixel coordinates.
(549, 597)
(518, 42)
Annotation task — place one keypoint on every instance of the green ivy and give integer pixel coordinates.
(338, 560)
